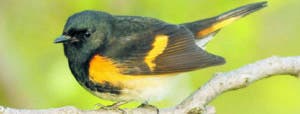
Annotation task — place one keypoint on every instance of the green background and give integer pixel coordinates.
(34, 72)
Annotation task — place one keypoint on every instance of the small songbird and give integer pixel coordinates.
(133, 58)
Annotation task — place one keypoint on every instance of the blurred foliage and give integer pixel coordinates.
(34, 72)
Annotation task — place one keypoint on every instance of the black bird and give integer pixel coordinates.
(133, 58)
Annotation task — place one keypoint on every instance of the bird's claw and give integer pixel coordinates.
(148, 106)
(109, 107)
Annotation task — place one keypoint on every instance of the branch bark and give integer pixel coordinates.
(197, 102)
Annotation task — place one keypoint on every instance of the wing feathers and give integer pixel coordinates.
(161, 50)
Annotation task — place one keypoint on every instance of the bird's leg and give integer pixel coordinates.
(148, 106)
(117, 104)
(114, 106)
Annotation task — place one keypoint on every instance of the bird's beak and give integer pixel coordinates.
(62, 39)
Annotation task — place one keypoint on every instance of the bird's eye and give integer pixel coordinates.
(79, 34)
(87, 34)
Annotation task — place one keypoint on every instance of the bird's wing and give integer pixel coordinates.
(160, 49)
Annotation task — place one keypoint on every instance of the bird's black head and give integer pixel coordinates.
(84, 33)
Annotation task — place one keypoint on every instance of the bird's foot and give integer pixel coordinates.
(114, 106)
(146, 105)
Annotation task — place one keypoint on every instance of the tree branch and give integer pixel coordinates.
(197, 102)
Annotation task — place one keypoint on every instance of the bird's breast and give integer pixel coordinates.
(138, 87)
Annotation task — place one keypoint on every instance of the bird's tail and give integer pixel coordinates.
(206, 27)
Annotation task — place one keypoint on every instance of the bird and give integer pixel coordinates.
(134, 58)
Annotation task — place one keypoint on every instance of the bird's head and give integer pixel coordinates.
(84, 33)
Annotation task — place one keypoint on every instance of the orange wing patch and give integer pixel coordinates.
(102, 69)
(159, 45)
(216, 26)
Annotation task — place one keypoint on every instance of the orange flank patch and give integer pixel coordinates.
(216, 26)
(102, 69)
(158, 46)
